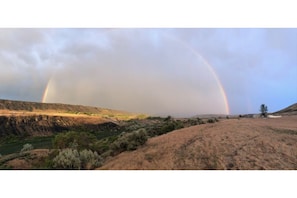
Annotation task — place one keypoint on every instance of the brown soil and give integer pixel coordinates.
(244, 144)
(19, 164)
(27, 162)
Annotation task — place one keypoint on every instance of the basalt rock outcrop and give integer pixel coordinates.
(47, 125)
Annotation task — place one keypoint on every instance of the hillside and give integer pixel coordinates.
(27, 107)
(244, 144)
(25, 119)
(290, 110)
(123, 141)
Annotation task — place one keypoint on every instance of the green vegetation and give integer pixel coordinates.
(74, 159)
(73, 139)
(27, 147)
(87, 149)
(17, 144)
(129, 141)
(212, 120)
(263, 110)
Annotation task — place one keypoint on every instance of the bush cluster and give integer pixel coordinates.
(169, 125)
(75, 140)
(212, 120)
(73, 159)
(26, 147)
(129, 141)
(83, 150)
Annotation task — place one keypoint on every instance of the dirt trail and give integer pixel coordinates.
(244, 144)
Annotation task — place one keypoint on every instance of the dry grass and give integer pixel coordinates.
(27, 162)
(245, 144)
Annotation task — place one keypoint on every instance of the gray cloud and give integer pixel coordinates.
(148, 70)
(254, 65)
(136, 74)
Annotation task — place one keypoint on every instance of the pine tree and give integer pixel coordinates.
(263, 110)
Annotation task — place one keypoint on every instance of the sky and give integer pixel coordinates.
(158, 71)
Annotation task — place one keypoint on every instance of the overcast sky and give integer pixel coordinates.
(179, 72)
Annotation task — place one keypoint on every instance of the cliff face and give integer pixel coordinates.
(33, 125)
(40, 125)
(33, 106)
(21, 118)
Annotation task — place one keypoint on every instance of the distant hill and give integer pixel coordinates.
(290, 110)
(20, 118)
(12, 105)
(36, 106)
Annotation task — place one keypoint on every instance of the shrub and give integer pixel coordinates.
(129, 141)
(168, 118)
(26, 147)
(201, 122)
(170, 126)
(154, 118)
(74, 140)
(136, 139)
(90, 159)
(67, 159)
(72, 159)
(210, 121)
(48, 160)
(164, 127)
(119, 145)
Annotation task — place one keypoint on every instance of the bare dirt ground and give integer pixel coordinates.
(25, 163)
(245, 144)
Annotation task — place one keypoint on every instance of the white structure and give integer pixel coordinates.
(273, 116)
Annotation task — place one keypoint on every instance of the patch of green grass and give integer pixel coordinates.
(16, 146)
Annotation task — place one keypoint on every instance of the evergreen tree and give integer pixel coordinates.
(263, 110)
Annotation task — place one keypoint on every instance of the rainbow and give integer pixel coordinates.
(195, 52)
(210, 68)
(45, 93)
(222, 90)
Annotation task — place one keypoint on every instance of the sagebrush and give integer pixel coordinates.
(74, 159)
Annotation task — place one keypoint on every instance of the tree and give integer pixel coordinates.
(263, 110)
